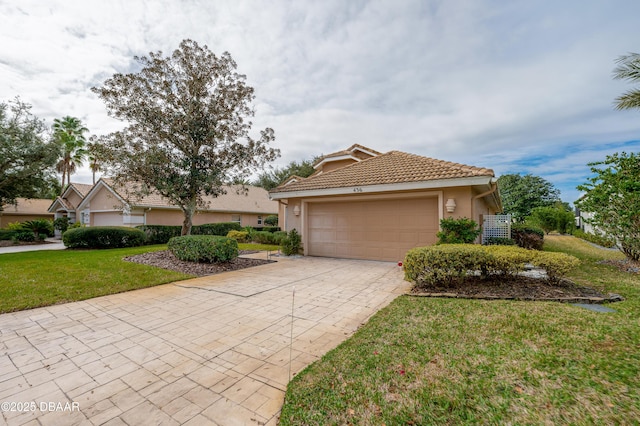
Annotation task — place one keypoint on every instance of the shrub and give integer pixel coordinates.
(271, 220)
(527, 237)
(203, 248)
(448, 263)
(75, 225)
(291, 243)
(220, 229)
(499, 241)
(504, 260)
(458, 231)
(24, 236)
(443, 264)
(103, 237)
(40, 227)
(557, 265)
(264, 237)
(61, 224)
(159, 234)
(7, 234)
(269, 228)
(15, 226)
(239, 236)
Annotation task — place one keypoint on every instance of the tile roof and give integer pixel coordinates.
(389, 168)
(27, 206)
(82, 188)
(256, 199)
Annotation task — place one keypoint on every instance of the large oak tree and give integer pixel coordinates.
(188, 126)
(26, 160)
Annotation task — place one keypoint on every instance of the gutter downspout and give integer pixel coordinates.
(494, 188)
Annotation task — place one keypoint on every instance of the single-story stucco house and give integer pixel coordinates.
(25, 209)
(106, 205)
(363, 204)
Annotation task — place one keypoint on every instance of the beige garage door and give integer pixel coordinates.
(106, 219)
(374, 230)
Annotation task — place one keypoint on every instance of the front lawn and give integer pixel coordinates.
(455, 361)
(42, 278)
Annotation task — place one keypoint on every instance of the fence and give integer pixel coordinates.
(496, 226)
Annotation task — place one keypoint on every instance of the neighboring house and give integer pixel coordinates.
(106, 204)
(25, 209)
(362, 204)
(66, 204)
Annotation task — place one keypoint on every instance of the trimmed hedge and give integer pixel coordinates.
(447, 263)
(103, 237)
(239, 236)
(161, 234)
(203, 248)
(221, 228)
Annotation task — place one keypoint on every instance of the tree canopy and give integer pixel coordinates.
(613, 196)
(628, 69)
(188, 127)
(26, 160)
(270, 179)
(521, 194)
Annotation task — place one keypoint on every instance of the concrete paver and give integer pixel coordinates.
(212, 350)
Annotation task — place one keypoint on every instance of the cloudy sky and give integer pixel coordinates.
(517, 86)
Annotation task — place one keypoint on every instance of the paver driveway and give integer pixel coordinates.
(211, 350)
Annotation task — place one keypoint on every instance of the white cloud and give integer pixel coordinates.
(490, 83)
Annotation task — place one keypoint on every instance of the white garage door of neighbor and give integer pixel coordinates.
(373, 230)
(107, 219)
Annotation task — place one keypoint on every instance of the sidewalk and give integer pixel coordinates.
(52, 244)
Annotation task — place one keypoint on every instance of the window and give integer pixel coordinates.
(259, 220)
(236, 218)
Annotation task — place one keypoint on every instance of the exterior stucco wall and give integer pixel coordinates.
(74, 199)
(333, 165)
(104, 199)
(176, 217)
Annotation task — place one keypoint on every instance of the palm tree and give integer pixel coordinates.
(94, 162)
(628, 69)
(68, 133)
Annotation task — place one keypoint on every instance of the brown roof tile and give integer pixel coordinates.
(256, 199)
(389, 168)
(26, 206)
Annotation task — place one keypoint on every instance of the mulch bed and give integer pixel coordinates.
(166, 260)
(514, 288)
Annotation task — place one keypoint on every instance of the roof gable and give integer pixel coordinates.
(355, 152)
(393, 167)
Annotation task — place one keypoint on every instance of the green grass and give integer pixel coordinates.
(260, 247)
(453, 361)
(42, 278)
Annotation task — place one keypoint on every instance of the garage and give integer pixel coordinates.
(373, 229)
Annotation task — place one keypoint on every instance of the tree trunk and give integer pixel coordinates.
(188, 221)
